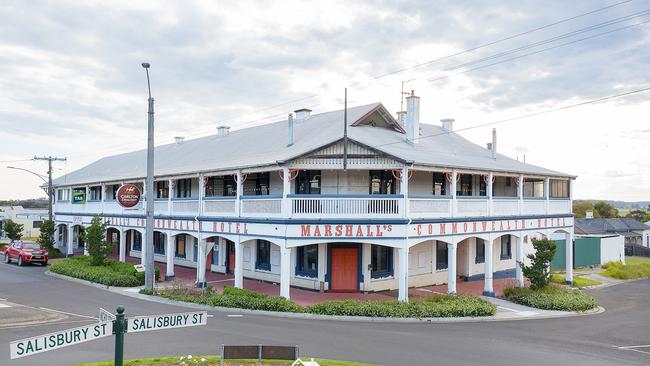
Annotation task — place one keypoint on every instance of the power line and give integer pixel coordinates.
(609, 97)
(15, 161)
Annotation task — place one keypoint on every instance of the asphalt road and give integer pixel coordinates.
(584, 340)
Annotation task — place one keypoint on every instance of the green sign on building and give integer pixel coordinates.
(78, 197)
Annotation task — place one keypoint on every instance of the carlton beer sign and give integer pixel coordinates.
(128, 195)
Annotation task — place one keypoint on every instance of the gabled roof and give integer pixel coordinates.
(608, 226)
(265, 145)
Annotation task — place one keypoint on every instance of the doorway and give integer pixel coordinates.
(344, 268)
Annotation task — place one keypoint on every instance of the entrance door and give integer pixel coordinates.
(230, 248)
(344, 276)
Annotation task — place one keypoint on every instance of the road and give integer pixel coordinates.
(583, 340)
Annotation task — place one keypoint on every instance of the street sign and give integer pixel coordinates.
(167, 321)
(63, 338)
(105, 315)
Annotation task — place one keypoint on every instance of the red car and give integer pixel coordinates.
(26, 252)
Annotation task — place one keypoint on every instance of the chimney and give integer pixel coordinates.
(589, 214)
(412, 118)
(290, 132)
(448, 124)
(401, 118)
(223, 130)
(302, 115)
(179, 140)
(494, 143)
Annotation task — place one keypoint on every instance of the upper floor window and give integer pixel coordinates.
(439, 184)
(308, 182)
(221, 186)
(534, 187)
(559, 188)
(257, 184)
(382, 182)
(113, 189)
(63, 194)
(464, 185)
(162, 189)
(96, 193)
(184, 188)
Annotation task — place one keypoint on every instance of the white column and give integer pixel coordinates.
(143, 248)
(239, 264)
(366, 253)
(240, 190)
(404, 190)
(454, 204)
(170, 196)
(201, 259)
(285, 272)
(519, 258)
(286, 190)
(70, 245)
(403, 267)
(170, 253)
(490, 194)
(488, 289)
(322, 264)
(201, 194)
(569, 257)
(123, 246)
(451, 266)
(520, 193)
(547, 195)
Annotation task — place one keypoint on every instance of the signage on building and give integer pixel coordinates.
(168, 321)
(78, 197)
(128, 195)
(60, 339)
(487, 226)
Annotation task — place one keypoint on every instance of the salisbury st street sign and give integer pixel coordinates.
(104, 328)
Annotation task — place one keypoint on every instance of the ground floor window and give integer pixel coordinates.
(137, 241)
(263, 261)
(381, 261)
(441, 255)
(180, 246)
(307, 261)
(480, 251)
(215, 252)
(506, 247)
(158, 242)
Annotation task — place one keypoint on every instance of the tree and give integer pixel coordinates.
(638, 215)
(580, 208)
(13, 229)
(95, 239)
(46, 238)
(539, 272)
(604, 209)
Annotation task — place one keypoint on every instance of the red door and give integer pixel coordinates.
(344, 270)
(231, 258)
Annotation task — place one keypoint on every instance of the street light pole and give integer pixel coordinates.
(148, 263)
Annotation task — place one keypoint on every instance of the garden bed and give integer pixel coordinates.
(578, 281)
(442, 306)
(551, 298)
(111, 273)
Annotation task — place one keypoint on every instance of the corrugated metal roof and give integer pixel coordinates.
(608, 225)
(266, 145)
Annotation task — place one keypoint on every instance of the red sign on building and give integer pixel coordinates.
(128, 195)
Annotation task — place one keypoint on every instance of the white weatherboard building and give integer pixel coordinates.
(390, 205)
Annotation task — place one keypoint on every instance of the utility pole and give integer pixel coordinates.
(149, 270)
(50, 191)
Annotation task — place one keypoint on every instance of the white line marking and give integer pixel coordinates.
(636, 350)
(639, 346)
(4, 305)
(210, 316)
(235, 316)
(66, 313)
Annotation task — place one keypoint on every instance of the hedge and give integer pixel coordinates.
(551, 298)
(435, 306)
(112, 273)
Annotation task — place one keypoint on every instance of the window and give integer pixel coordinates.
(464, 185)
(257, 184)
(505, 247)
(184, 188)
(137, 241)
(114, 189)
(96, 193)
(215, 253)
(162, 189)
(180, 246)
(307, 261)
(381, 261)
(482, 187)
(533, 187)
(441, 255)
(63, 195)
(382, 182)
(308, 182)
(480, 251)
(439, 184)
(559, 188)
(263, 261)
(36, 224)
(158, 242)
(221, 186)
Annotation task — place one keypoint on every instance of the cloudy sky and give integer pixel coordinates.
(71, 82)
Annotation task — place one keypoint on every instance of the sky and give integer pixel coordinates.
(72, 86)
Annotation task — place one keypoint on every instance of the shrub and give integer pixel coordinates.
(95, 238)
(46, 238)
(551, 298)
(111, 273)
(538, 272)
(627, 271)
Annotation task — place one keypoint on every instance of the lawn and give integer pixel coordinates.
(634, 267)
(578, 281)
(214, 360)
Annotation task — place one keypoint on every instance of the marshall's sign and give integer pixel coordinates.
(128, 195)
(347, 231)
(454, 228)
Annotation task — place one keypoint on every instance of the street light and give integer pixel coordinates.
(148, 262)
(48, 191)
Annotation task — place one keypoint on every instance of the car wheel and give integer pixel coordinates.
(20, 261)
(44, 263)
(7, 260)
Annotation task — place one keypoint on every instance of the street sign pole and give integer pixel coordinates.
(119, 327)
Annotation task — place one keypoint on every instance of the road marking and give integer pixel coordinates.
(210, 316)
(235, 316)
(634, 348)
(639, 346)
(4, 305)
(66, 313)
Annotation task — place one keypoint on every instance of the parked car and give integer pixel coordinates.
(26, 252)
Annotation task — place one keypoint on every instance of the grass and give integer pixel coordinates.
(214, 360)
(551, 298)
(633, 268)
(578, 281)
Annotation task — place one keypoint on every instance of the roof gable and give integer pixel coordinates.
(379, 117)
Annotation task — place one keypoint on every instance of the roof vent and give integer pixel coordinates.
(223, 130)
(179, 140)
(302, 115)
(448, 124)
